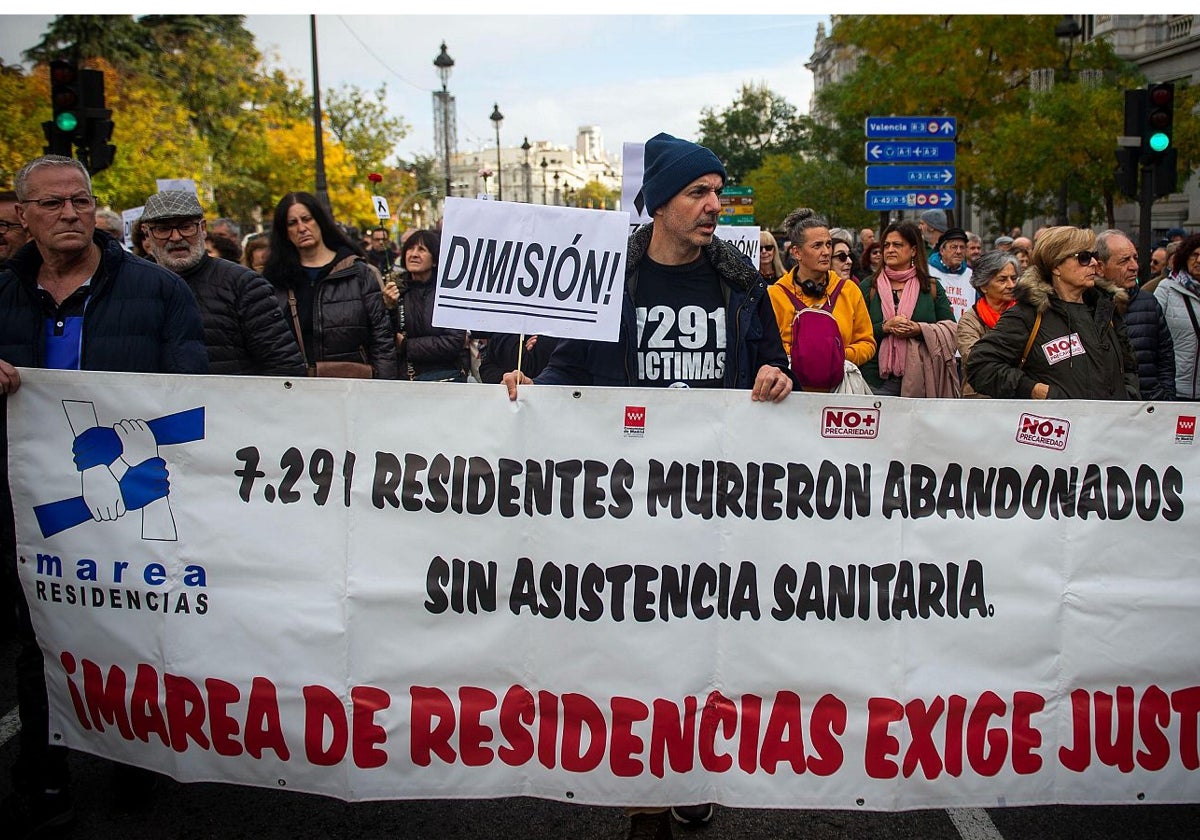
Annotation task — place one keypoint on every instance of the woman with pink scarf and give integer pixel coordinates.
(900, 298)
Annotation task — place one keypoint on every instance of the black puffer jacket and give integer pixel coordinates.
(1152, 345)
(427, 348)
(244, 327)
(1103, 368)
(350, 323)
(140, 317)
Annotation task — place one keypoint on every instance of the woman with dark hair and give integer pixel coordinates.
(994, 277)
(1065, 336)
(428, 353)
(872, 260)
(1179, 296)
(332, 296)
(912, 320)
(256, 252)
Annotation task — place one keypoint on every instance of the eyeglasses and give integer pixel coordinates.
(1082, 257)
(843, 255)
(54, 204)
(1194, 256)
(186, 229)
(768, 247)
(5, 227)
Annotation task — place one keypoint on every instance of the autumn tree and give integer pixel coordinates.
(361, 123)
(757, 123)
(978, 69)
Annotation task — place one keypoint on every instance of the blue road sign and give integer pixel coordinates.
(908, 199)
(880, 151)
(910, 176)
(945, 128)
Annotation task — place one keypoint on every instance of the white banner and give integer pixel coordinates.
(530, 269)
(386, 590)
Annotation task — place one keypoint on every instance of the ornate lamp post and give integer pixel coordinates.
(557, 197)
(525, 147)
(496, 119)
(545, 166)
(444, 63)
(1067, 31)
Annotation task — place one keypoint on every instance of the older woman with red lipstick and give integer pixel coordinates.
(1065, 336)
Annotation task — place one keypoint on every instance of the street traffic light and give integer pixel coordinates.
(66, 100)
(1159, 119)
(94, 148)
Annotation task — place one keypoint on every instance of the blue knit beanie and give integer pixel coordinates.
(672, 164)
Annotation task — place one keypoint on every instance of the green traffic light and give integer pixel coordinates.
(1159, 141)
(66, 121)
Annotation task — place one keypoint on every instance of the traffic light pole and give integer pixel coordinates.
(1144, 222)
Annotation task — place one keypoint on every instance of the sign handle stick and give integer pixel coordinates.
(520, 350)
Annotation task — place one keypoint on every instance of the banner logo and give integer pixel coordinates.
(1046, 432)
(1185, 429)
(1063, 348)
(635, 420)
(121, 470)
(838, 422)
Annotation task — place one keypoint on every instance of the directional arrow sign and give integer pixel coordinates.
(910, 176)
(928, 127)
(908, 199)
(878, 151)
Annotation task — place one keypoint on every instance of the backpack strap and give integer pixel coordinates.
(833, 296)
(1191, 314)
(797, 304)
(1037, 323)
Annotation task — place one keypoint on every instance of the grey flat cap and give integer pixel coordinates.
(172, 204)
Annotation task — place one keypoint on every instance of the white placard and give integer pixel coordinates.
(129, 218)
(633, 168)
(381, 207)
(531, 269)
(181, 184)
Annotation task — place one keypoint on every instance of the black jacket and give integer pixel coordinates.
(1152, 345)
(1104, 369)
(140, 318)
(428, 348)
(350, 323)
(244, 327)
(752, 334)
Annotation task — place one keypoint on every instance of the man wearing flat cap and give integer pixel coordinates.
(932, 224)
(244, 327)
(949, 265)
(674, 264)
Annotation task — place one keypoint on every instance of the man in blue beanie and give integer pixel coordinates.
(676, 266)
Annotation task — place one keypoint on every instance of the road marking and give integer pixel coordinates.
(974, 824)
(10, 725)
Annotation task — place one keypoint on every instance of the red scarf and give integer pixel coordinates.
(988, 315)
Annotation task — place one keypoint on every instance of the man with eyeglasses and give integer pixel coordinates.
(245, 329)
(1144, 320)
(948, 264)
(73, 299)
(378, 252)
(12, 234)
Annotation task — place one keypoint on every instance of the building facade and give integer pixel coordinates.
(543, 173)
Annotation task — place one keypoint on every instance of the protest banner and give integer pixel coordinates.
(621, 596)
(531, 269)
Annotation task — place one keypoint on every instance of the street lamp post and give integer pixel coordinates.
(1067, 30)
(496, 119)
(545, 166)
(444, 63)
(525, 147)
(557, 198)
(320, 185)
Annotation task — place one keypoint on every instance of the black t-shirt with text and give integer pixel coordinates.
(681, 325)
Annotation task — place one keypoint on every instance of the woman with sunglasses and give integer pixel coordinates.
(994, 277)
(842, 258)
(1064, 338)
(770, 266)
